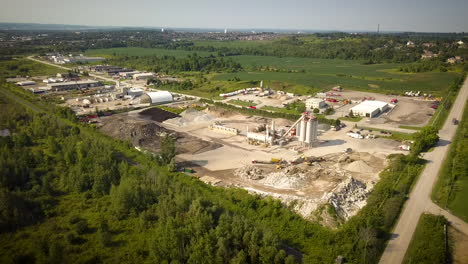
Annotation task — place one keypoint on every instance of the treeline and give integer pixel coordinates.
(170, 64)
(424, 66)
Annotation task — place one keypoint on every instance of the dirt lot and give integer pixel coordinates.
(306, 186)
(147, 134)
(410, 111)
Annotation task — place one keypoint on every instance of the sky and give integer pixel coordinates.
(345, 15)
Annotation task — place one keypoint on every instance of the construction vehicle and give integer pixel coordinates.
(274, 160)
(279, 166)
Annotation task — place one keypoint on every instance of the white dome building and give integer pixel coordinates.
(160, 97)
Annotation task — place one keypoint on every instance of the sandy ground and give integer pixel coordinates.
(459, 243)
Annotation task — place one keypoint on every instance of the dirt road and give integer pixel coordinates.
(420, 200)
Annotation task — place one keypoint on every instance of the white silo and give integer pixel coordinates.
(303, 130)
(308, 132)
(311, 134)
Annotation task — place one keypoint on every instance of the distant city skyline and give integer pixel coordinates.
(339, 15)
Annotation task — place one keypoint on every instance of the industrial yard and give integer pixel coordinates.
(266, 156)
(304, 163)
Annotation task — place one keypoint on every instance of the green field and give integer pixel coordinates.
(306, 75)
(143, 52)
(26, 67)
(428, 242)
(324, 74)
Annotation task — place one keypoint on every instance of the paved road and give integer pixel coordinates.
(420, 200)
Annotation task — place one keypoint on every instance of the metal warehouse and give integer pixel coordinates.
(370, 108)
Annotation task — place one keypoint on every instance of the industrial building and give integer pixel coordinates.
(143, 76)
(74, 59)
(160, 97)
(74, 85)
(370, 108)
(217, 127)
(128, 74)
(134, 92)
(26, 83)
(313, 103)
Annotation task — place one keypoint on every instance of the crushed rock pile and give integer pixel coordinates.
(249, 172)
(348, 197)
(190, 116)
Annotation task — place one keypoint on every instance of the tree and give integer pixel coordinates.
(316, 110)
(104, 234)
(168, 150)
(351, 114)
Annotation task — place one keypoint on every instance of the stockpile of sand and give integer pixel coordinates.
(359, 166)
(189, 117)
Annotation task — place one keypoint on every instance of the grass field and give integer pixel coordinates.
(27, 67)
(143, 52)
(324, 74)
(306, 75)
(428, 242)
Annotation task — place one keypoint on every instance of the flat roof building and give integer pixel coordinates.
(313, 103)
(369, 108)
(75, 85)
(143, 76)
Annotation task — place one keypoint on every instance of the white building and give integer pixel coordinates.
(160, 97)
(82, 84)
(134, 92)
(143, 76)
(25, 83)
(369, 108)
(313, 103)
(128, 74)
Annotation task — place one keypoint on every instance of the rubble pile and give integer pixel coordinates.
(348, 197)
(249, 172)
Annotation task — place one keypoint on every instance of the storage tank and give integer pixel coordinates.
(303, 129)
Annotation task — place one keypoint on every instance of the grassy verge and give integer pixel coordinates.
(451, 188)
(241, 102)
(400, 136)
(428, 244)
(439, 117)
(411, 127)
(351, 119)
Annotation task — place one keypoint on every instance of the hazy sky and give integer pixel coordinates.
(404, 15)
